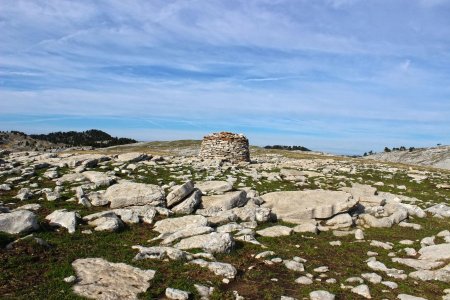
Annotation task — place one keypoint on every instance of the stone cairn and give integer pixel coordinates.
(225, 145)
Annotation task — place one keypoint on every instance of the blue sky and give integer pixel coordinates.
(344, 76)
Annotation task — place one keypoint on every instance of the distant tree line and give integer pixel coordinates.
(14, 132)
(93, 137)
(290, 148)
(402, 148)
(4, 135)
(387, 149)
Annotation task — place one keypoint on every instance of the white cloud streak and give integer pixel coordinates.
(242, 62)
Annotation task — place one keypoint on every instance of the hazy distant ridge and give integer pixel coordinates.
(93, 137)
(438, 157)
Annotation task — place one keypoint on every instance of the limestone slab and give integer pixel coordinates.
(214, 187)
(435, 252)
(98, 178)
(226, 201)
(19, 221)
(132, 157)
(130, 193)
(298, 206)
(275, 231)
(179, 193)
(63, 218)
(188, 205)
(213, 242)
(100, 279)
(176, 224)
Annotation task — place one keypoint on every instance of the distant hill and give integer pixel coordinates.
(438, 157)
(289, 148)
(95, 138)
(19, 141)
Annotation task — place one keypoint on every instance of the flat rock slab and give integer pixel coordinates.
(31, 206)
(136, 214)
(160, 253)
(132, 157)
(100, 279)
(169, 238)
(435, 252)
(275, 231)
(188, 205)
(298, 206)
(409, 297)
(130, 193)
(19, 221)
(63, 218)
(292, 175)
(321, 295)
(418, 264)
(176, 294)
(439, 210)
(89, 160)
(179, 193)
(96, 198)
(226, 201)
(108, 223)
(213, 242)
(220, 269)
(176, 224)
(214, 187)
(98, 178)
(360, 190)
(442, 274)
(71, 178)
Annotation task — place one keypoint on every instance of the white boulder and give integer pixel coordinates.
(179, 193)
(212, 242)
(226, 201)
(100, 279)
(63, 218)
(175, 224)
(130, 193)
(298, 206)
(214, 187)
(19, 221)
(275, 231)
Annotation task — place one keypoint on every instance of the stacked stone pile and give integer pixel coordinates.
(225, 146)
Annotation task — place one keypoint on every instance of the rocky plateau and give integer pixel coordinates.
(149, 224)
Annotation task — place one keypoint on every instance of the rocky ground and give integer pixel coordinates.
(438, 157)
(124, 225)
